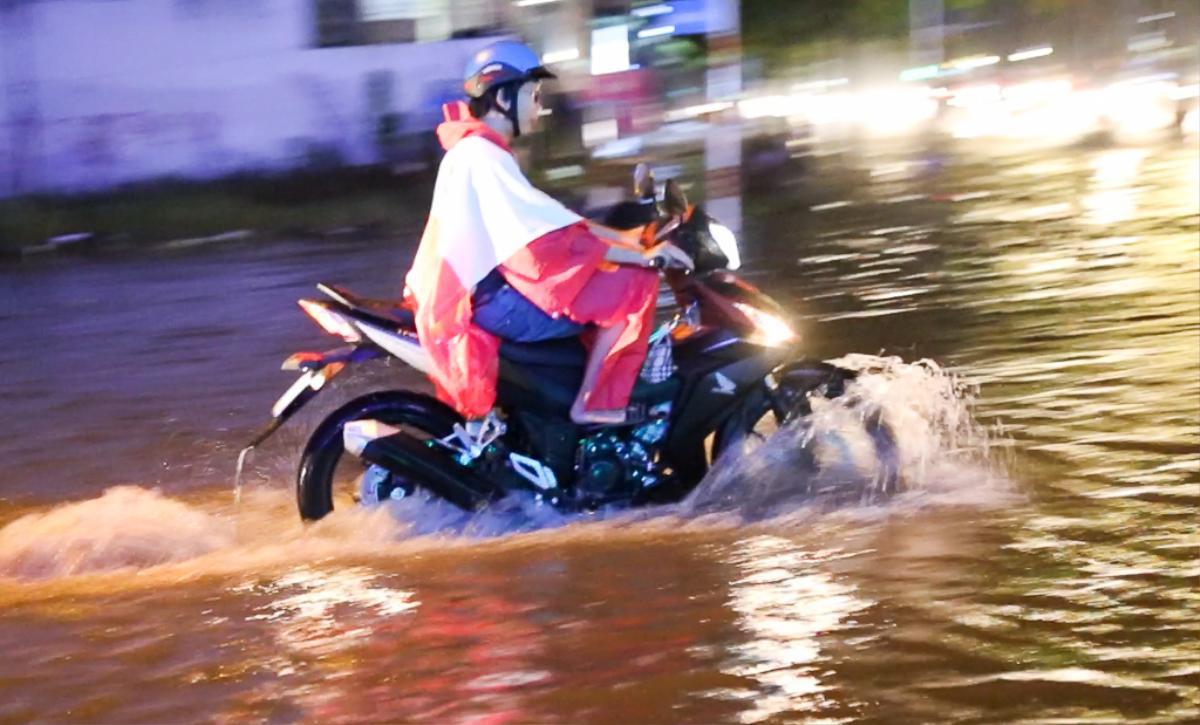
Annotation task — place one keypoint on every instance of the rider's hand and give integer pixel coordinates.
(670, 256)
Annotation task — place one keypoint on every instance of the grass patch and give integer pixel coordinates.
(305, 203)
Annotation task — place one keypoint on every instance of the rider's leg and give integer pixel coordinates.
(603, 342)
(509, 315)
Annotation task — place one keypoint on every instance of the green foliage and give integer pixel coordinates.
(793, 31)
(298, 204)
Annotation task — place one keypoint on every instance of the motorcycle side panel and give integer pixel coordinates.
(540, 388)
(713, 396)
(551, 390)
(718, 370)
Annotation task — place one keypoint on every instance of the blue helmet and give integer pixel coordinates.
(502, 62)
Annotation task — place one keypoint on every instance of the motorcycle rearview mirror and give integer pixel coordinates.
(639, 211)
(675, 202)
(643, 183)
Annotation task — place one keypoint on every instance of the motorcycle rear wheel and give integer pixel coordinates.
(415, 413)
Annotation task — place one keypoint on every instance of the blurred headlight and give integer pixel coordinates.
(772, 330)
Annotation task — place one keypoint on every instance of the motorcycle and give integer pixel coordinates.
(728, 376)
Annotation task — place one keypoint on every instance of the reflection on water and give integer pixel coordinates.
(786, 605)
(1113, 196)
(1057, 294)
(310, 620)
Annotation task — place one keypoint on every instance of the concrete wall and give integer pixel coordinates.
(96, 93)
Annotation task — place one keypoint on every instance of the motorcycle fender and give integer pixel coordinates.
(316, 360)
(304, 389)
(809, 375)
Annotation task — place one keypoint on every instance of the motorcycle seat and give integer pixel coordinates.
(566, 352)
(386, 312)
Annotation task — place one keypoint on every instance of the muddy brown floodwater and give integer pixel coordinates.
(1042, 567)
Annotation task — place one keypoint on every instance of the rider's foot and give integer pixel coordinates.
(582, 416)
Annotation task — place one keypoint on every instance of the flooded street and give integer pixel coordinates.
(1044, 566)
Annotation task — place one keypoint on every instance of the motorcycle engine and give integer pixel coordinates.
(612, 467)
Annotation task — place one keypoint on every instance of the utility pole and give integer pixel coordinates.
(723, 144)
(926, 31)
(18, 83)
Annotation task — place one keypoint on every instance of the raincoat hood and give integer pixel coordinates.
(460, 124)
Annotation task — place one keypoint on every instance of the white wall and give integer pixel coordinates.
(136, 89)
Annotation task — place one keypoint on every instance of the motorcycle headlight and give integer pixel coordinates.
(727, 241)
(772, 330)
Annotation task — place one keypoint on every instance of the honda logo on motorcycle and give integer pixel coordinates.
(725, 386)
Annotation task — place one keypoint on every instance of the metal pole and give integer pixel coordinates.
(926, 19)
(723, 144)
(18, 75)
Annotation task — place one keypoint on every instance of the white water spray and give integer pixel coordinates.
(938, 452)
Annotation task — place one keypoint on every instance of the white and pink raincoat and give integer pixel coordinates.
(485, 215)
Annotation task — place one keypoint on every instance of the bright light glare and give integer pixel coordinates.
(1035, 92)
(1113, 198)
(766, 106)
(655, 32)
(651, 10)
(1153, 18)
(979, 95)
(682, 114)
(597, 132)
(610, 49)
(821, 84)
(1052, 110)
(882, 111)
(975, 61)
(1182, 93)
(1137, 108)
(1030, 54)
(919, 74)
(1147, 43)
(531, 3)
(896, 110)
(561, 56)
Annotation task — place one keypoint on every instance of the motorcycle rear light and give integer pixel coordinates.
(301, 359)
(330, 321)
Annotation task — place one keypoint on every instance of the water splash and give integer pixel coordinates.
(941, 456)
(941, 445)
(928, 440)
(125, 527)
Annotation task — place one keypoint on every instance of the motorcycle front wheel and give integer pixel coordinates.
(417, 414)
(762, 414)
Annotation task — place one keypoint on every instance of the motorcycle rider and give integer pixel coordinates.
(500, 259)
